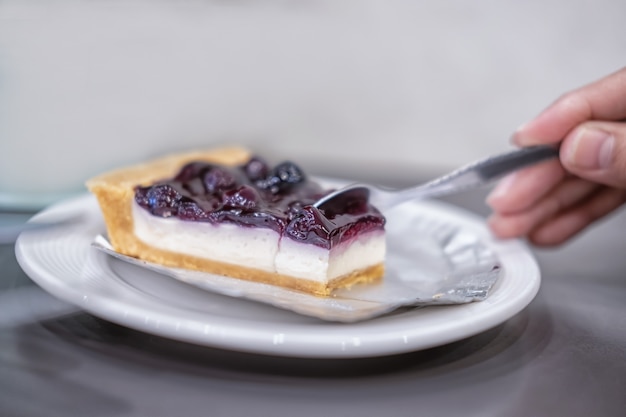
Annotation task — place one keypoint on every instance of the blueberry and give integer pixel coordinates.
(218, 179)
(189, 210)
(293, 208)
(163, 200)
(289, 173)
(282, 178)
(310, 226)
(256, 169)
(301, 225)
(244, 197)
(141, 196)
(192, 170)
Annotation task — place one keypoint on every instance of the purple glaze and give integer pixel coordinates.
(253, 195)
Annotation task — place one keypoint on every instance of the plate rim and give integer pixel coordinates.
(382, 336)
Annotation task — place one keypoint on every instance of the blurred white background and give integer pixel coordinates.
(398, 86)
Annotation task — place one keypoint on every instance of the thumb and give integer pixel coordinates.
(596, 151)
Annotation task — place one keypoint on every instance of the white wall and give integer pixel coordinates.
(86, 85)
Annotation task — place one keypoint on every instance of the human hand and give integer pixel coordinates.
(553, 201)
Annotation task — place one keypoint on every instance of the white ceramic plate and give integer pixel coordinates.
(62, 261)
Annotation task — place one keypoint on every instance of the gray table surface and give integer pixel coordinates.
(564, 355)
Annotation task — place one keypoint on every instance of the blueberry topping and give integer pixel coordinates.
(195, 186)
(190, 210)
(293, 208)
(244, 197)
(255, 195)
(256, 169)
(162, 200)
(282, 178)
(141, 197)
(218, 179)
(310, 226)
(191, 170)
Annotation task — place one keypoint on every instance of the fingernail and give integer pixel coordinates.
(501, 189)
(590, 149)
(520, 138)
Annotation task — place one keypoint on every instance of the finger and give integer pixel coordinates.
(524, 188)
(596, 151)
(571, 222)
(569, 193)
(604, 99)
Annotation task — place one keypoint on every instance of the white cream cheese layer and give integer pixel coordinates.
(319, 264)
(258, 247)
(254, 246)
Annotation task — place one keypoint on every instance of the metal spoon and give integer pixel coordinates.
(470, 176)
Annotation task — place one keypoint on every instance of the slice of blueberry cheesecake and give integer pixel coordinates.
(226, 212)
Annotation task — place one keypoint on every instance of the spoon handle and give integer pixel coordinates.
(499, 165)
(473, 175)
